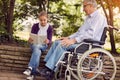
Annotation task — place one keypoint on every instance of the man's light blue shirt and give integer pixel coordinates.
(92, 28)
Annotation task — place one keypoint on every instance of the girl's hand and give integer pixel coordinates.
(46, 41)
(30, 40)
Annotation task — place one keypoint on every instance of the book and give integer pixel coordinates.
(38, 39)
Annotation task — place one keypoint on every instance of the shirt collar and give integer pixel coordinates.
(94, 13)
(45, 25)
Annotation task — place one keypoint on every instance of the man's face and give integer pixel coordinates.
(87, 8)
(43, 20)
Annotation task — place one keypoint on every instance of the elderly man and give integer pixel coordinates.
(92, 28)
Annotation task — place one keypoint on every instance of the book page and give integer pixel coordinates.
(41, 39)
(37, 39)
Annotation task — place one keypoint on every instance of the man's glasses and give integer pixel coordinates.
(85, 5)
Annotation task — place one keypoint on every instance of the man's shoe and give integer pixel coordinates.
(31, 77)
(27, 72)
(37, 71)
(50, 76)
(45, 72)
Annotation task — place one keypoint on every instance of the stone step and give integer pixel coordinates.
(15, 76)
(15, 58)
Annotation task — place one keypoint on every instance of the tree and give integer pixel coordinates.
(109, 5)
(7, 10)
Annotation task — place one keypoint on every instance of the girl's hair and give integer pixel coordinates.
(43, 13)
(93, 2)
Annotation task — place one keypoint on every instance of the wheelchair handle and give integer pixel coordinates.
(111, 27)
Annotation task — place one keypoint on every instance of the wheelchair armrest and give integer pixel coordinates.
(94, 41)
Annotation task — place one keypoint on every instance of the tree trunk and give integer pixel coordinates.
(112, 41)
(110, 22)
(10, 20)
(42, 4)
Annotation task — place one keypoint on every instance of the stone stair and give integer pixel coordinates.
(15, 59)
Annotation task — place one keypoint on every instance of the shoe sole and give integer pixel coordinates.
(26, 74)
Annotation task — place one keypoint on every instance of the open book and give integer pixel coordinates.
(38, 39)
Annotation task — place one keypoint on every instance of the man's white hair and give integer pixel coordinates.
(93, 2)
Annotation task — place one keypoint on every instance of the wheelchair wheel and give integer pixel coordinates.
(58, 73)
(96, 63)
(73, 69)
(74, 74)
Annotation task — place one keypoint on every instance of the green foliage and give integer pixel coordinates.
(4, 39)
(22, 11)
(21, 42)
(3, 15)
(117, 33)
(118, 50)
(68, 17)
(69, 30)
(117, 37)
(2, 28)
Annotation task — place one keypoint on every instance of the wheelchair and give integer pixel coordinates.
(88, 61)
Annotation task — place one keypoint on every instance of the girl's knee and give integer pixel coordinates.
(35, 47)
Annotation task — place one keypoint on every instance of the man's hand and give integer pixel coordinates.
(62, 38)
(68, 42)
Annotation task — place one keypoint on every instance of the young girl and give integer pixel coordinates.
(41, 28)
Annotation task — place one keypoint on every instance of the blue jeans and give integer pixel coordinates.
(55, 53)
(36, 53)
